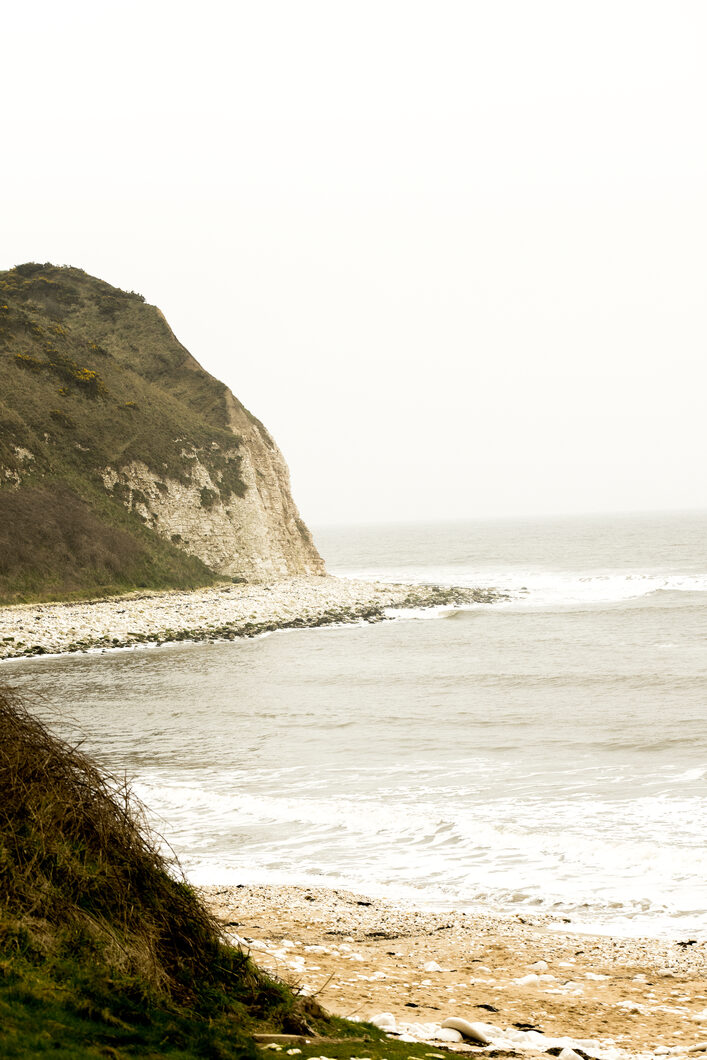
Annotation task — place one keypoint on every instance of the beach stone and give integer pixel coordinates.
(385, 1021)
(569, 1054)
(420, 1031)
(701, 1047)
(475, 1031)
(588, 1045)
(539, 966)
(432, 966)
(448, 1034)
(527, 980)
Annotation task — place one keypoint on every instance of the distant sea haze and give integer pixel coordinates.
(548, 753)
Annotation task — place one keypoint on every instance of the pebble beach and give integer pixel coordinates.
(526, 985)
(496, 983)
(222, 612)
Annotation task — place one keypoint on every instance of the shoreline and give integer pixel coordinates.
(533, 986)
(222, 612)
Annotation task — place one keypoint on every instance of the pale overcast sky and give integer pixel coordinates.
(453, 254)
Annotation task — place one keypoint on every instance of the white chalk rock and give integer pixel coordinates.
(588, 1045)
(539, 966)
(595, 976)
(385, 1021)
(446, 1034)
(238, 939)
(475, 1031)
(631, 1006)
(431, 966)
(423, 1032)
(569, 1054)
(701, 1047)
(527, 980)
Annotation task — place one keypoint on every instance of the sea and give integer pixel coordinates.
(544, 754)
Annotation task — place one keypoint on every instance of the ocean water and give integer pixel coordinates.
(543, 754)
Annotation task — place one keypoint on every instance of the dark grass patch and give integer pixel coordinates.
(55, 545)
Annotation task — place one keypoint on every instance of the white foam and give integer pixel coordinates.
(542, 588)
(617, 862)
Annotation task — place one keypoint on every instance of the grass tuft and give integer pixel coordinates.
(105, 949)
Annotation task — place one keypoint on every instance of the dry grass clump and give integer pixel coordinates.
(102, 945)
(75, 853)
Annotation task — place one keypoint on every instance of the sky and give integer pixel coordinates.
(453, 254)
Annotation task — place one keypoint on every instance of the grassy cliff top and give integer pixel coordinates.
(92, 377)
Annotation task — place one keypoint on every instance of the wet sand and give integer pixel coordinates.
(363, 956)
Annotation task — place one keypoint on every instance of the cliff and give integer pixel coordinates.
(122, 462)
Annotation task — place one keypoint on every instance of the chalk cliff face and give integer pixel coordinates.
(256, 536)
(101, 405)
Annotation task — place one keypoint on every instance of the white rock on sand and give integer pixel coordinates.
(633, 1013)
(475, 1031)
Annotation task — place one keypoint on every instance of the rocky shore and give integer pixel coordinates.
(222, 612)
(475, 981)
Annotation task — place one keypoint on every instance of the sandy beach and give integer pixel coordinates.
(522, 976)
(222, 612)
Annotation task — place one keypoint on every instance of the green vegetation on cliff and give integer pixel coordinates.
(103, 951)
(91, 377)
